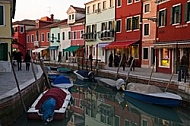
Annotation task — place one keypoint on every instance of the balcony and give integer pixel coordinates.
(106, 35)
(89, 36)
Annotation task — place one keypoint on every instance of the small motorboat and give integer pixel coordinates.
(50, 105)
(110, 83)
(152, 94)
(84, 75)
(64, 70)
(62, 82)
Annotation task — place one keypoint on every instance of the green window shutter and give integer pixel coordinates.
(4, 51)
(158, 19)
(171, 16)
(165, 17)
(1, 15)
(133, 23)
(179, 13)
(186, 12)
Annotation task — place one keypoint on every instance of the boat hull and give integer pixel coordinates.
(36, 116)
(154, 99)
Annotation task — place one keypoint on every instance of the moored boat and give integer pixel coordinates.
(51, 105)
(152, 94)
(62, 82)
(84, 75)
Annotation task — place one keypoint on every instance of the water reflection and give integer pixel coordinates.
(93, 105)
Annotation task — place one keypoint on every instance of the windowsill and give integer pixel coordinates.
(175, 24)
(164, 66)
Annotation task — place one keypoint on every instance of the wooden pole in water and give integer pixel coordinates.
(151, 74)
(45, 74)
(19, 91)
(35, 76)
(170, 79)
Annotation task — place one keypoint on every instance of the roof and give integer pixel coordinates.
(62, 22)
(25, 22)
(78, 9)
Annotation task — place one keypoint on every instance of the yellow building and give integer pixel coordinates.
(7, 10)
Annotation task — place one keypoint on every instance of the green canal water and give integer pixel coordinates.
(93, 105)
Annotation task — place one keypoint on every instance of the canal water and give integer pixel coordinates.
(93, 105)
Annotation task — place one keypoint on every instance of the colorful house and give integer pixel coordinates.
(148, 33)
(7, 11)
(128, 29)
(19, 35)
(38, 38)
(99, 29)
(173, 38)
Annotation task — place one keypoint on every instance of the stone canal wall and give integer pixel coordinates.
(11, 106)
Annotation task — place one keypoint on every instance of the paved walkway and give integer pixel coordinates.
(8, 83)
(7, 79)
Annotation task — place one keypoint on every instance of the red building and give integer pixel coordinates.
(37, 39)
(19, 36)
(128, 30)
(173, 39)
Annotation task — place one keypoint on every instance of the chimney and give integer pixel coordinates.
(52, 17)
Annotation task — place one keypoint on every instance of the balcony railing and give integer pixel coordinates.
(89, 36)
(106, 35)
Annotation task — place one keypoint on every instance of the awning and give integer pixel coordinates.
(116, 45)
(53, 47)
(38, 49)
(173, 44)
(103, 44)
(72, 48)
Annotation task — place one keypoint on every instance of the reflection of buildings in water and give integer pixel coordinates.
(97, 108)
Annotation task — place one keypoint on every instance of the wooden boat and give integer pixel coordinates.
(110, 83)
(43, 107)
(152, 94)
(64, 70)
(62, 82)
(84, 75)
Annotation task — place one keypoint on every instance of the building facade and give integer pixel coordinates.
(173, 39)
(7, 11)
(99, 28)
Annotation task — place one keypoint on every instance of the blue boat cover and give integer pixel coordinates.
(83, 73)
(62, 80)
(47, 108)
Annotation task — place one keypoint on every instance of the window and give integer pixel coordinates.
(69, 17)
(129, 1)
(73, 16)
(74, 35)
(81, 34)
(135, 51)
(135, 22)
(32, 38)
(118, 26)
(104, 4)
(103, 26)
(111, 3)
(146, 8)
(146, 29)
(93, 8)
(42, 37)
(110, 25)
(58, 37)
(144, 122)
(175, 16)
(15, 29)
(48, 36)
(187, 12)
(118, 3)
(94, 28)
(63, 35)
(88, 10)
(98, 6)
(2, 16)
(52, 37)
(21, 29)
(164, 57)
(145, 53)
(128, 24)
(28, 39)
(69, 35)
(162, 18)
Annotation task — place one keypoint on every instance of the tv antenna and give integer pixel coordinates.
(49, 10)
